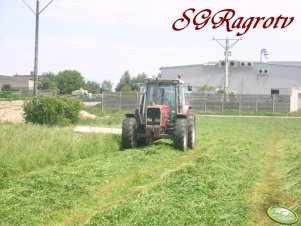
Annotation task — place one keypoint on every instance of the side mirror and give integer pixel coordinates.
(189, 88)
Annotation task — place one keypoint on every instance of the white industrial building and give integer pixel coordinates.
(245, 77)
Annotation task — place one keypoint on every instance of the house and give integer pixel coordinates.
(16, 82)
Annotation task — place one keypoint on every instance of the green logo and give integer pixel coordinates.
(282, 215)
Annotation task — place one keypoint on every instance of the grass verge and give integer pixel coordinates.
(253, 113)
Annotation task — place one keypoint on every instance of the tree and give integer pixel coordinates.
(139, 79)
(92, 87)
(48, 81)
(106, 86)
(206, 88)
(69, 80)
(125, 83)
(128, 83)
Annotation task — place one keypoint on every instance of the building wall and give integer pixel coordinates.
(15, 82)
(295, 99)
(242, 80)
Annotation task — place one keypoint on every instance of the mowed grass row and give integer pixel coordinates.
(207, 191)
(154, 185)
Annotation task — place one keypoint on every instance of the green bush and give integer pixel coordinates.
(52, 110)
(9, 95)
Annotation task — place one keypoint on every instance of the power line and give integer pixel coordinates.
(97, 14)
(35, 70)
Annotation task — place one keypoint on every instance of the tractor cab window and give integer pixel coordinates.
(161, 94)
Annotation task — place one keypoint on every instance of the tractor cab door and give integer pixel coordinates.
(180, 98)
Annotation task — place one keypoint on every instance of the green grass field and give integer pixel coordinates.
(241, 166)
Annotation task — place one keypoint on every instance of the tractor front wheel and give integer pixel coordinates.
(180, 134)
(129, 138)
(191, 129)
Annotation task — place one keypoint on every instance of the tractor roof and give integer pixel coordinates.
(164, 80)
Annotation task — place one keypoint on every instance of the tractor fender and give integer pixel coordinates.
(135, 116)
(185, 109)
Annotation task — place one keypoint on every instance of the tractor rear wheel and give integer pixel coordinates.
(180, 134)
(191, 129)
(129, 138)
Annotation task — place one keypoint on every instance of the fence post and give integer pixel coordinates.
(223, 100)
(239, 103)
(256, 104)
(205, 102)
(119, 100)
(102, 95)
(273, 99)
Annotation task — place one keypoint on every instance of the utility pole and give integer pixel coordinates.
(265, 53)
(35, 69)
(227, 53)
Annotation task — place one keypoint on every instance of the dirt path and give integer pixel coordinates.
(11, 111)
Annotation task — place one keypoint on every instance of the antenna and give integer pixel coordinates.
(227, 53)
(35, 70)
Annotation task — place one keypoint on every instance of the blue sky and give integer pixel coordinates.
(102, 39)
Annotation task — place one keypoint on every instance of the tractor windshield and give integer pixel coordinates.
(161, 94)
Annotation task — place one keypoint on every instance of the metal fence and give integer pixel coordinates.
(120, 100)
(207, 102)
(251, 103)
(25, 93)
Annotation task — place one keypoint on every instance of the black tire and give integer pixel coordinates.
(129, 127)
(142, 141)
(191, 129)
(180, 135)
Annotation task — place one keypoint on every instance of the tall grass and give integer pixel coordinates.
(27, 147)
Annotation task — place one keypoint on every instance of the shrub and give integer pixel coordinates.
(8, 95)
(52, 110)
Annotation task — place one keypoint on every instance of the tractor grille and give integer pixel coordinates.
(153, 116)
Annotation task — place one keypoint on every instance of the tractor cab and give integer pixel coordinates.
(168, 92)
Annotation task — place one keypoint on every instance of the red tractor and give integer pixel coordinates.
(162, 113)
